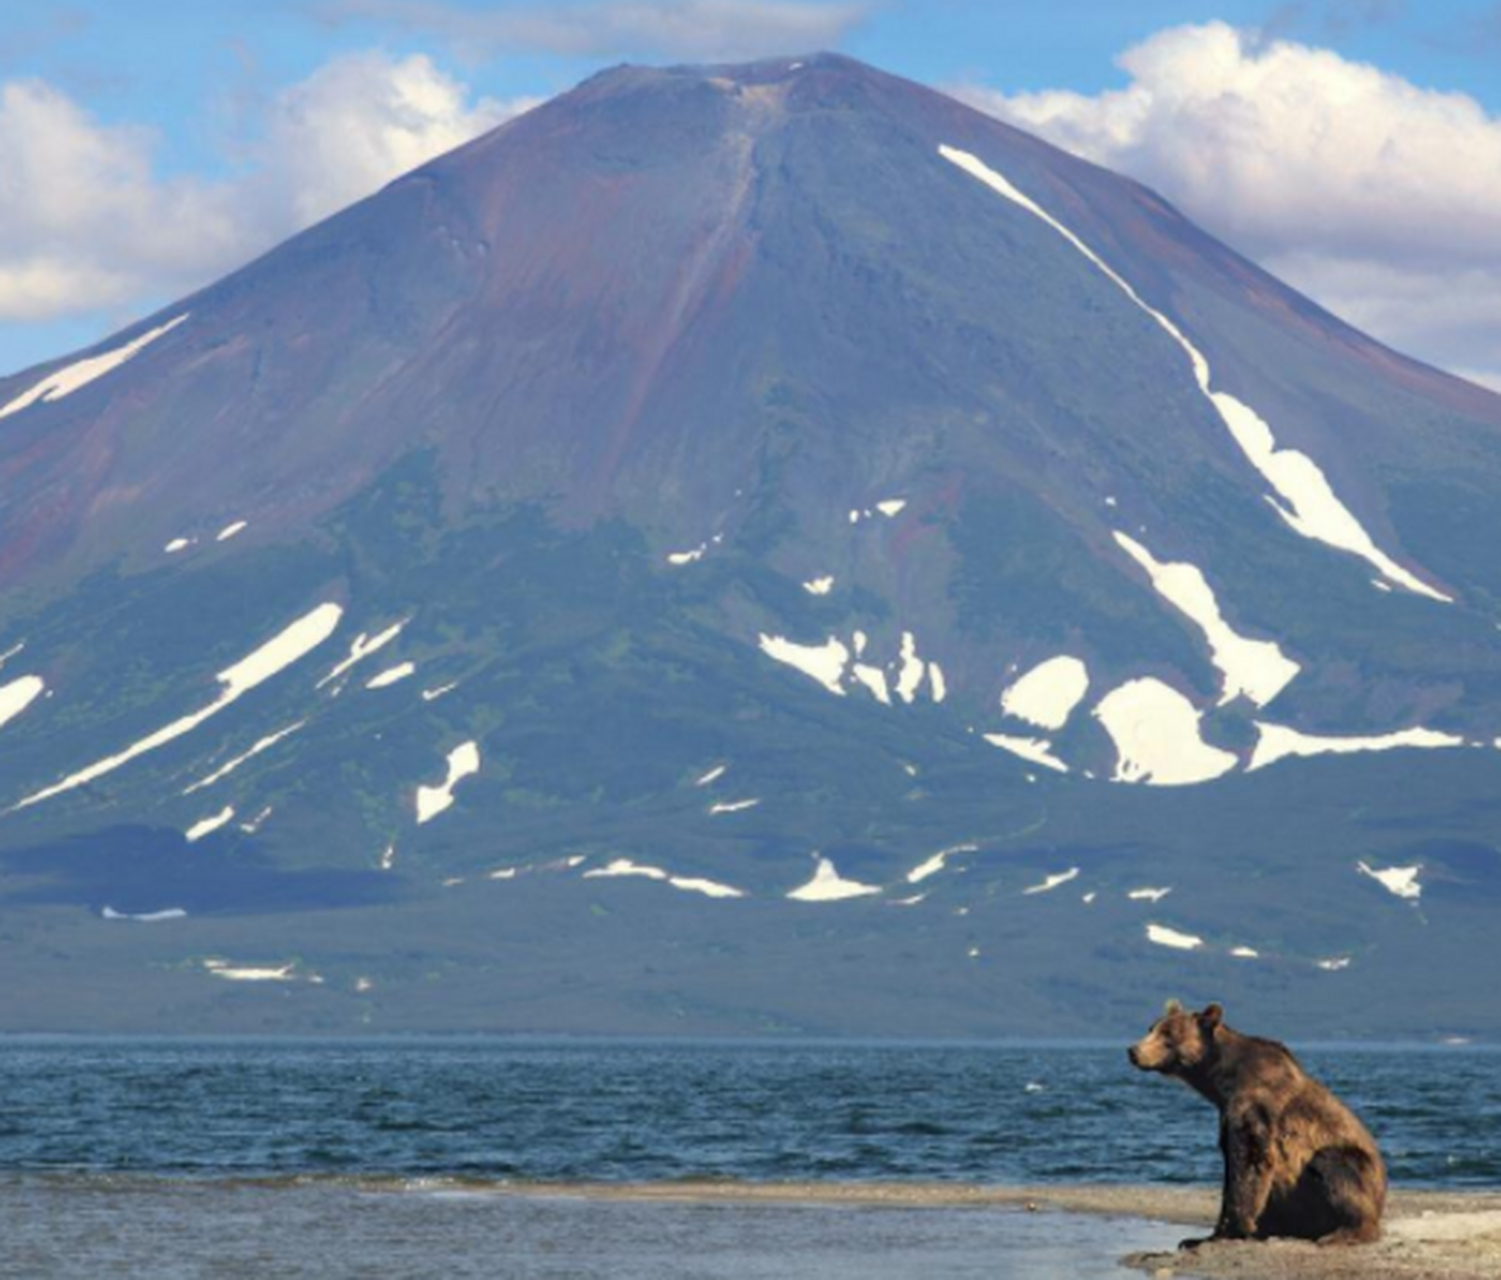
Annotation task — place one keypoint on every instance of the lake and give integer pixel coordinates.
(293, 1157)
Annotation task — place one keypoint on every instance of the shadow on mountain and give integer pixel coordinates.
(140, 869)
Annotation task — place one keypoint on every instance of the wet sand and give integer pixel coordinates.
(62, 1227)
(1428, 1234)
(66, 1225)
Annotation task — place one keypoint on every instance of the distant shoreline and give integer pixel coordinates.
(555, 1039)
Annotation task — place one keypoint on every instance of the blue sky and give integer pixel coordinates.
(153, 144)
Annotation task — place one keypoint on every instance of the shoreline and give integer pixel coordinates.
(1189, 1205)
(1427, 1235)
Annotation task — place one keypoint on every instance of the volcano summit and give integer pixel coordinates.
(748, 548)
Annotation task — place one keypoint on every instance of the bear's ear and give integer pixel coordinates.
(1212, 1016)
(1172, 1007)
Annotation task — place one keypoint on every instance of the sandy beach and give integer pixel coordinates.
(1428, 1234)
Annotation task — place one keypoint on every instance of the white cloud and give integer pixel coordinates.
(359, 121)
(83, 215)
(698, 29)
(1373, 195)
(88, 222)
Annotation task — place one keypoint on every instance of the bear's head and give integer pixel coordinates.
(1179, 1041)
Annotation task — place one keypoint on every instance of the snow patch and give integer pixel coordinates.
(688, 557)
(827, 885)
(1049, 883)
(210, 824)
(432, 695)
(712, 776)
(1334, 964)
(829, 663)
(144, 917)
(1312, 509)
(1036, 750)
(364, 645)
(1148, 895)
(1047, 695)
(246, 973)
(391, 675)
(16, 696)
(80, 373)
(874, 679)
(1308, 503)
(936, 863)
(279, 653)
(255, 823)
(1278, 741)
(1165, 937)
(178, 544)
(913, 669)
(1245, 953)
(273, 657)
(824, 663)
(1156, 734)
(231, 530)
(388, 857)
(463, 762)
(1401, 881)
(224, 770)
(819, 586)
(709, 888)
(625, 867)
(732, 806)
(1256, 668)
(888, 507)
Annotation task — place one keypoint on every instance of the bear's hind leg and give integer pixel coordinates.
(1354, 1194)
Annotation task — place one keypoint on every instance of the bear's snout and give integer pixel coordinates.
(1150, 1054)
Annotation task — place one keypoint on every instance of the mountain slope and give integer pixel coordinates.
(697, 504)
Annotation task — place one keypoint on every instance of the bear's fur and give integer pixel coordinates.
(1297, 1161)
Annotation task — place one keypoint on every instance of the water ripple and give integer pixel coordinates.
(615, 1112)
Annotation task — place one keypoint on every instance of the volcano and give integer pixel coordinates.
(749, 549)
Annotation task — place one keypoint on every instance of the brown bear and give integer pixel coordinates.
(1297, 1161)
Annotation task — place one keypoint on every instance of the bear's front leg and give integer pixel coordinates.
(1248, 1177)
(1194, 1242)
(1247, 1181)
